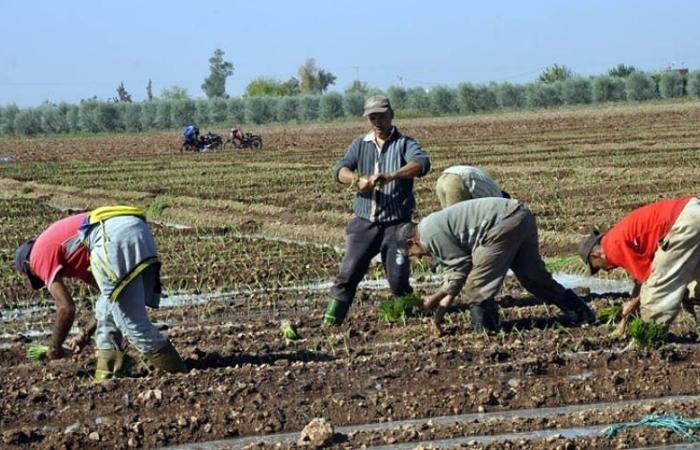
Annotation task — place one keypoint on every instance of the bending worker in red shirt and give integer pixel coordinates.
(113, 248)
(659, 247)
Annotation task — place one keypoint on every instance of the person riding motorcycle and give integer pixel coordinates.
(191, 135)
(237, 136)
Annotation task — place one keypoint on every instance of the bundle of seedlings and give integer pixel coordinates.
(647, 334)
(610, 315)
(37, 352)
(289, 331)
(397, 308)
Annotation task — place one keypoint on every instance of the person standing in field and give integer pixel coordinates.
(113, 248)
(475, 242)
(659, 247)
(459, 183)
(380, 166)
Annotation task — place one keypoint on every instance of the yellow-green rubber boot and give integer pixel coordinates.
(109, 365)
(335, 312)
(167, 359)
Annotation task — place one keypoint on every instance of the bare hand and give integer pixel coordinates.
(365, 184)
(78, 343)
(628, 310)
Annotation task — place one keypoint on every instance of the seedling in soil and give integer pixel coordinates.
(610, 315)
(37, 352)
(647, 334)
(289, 332)
(398, 308)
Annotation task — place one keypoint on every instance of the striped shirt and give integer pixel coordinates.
(394, 201)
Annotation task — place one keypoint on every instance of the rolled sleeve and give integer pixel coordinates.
(348, 160)
(414, 152)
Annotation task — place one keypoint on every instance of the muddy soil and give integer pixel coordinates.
(245, 380)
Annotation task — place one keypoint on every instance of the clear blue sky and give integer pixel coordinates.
(68, 50)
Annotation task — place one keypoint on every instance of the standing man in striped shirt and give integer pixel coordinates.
(381, 166)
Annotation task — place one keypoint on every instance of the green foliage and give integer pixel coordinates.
(622, 71)
(148, 115)
(398, 308)
(313, 80)
(309, 107)
(7, 119)
(215, 84)
(87, 116)
(37, 353)
(217, 110)
(264, 86)
(417, 99)
(671, 84)
(182, 112)
(73, 118)
(647, 334)
(202, 113)
(108, 117)
(288, 109)
(472, 98)
(122, 94)
(576, 91)
(540, 95)
(174, 93)
(608, 89)
(610, 315)
(693, 87)
(360, 87)
(555, 73)
(27, 122)
(163, 117)
(257, 110)
(235, 110)
(331, 106)
(25, 189)
(288, 330)
(398, 97)
(353, 104)
(156, 208)
(53, 118)
(639, 87)
(149, 91)
(443, 100)
(131, 116)
(510, 95)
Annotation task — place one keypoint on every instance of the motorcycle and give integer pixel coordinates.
(207, 142)
(249, 140)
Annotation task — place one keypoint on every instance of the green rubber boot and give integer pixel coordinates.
(166, 359)
(109, 365)
(335, 312)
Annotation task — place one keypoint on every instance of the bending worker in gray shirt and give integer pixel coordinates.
(476, 242)
(459, 183)
(380, 166)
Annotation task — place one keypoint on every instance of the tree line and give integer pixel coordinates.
(556, 86)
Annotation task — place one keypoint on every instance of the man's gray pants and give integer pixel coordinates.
(511, 244)
(117, 245)
(365, 240)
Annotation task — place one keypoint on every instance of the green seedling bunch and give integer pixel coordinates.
(289, 332)
(398, 308)
(37, 352)
(647, 334)
(610, 315)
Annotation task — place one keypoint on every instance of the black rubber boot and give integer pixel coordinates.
(574, 310)
(485, 316)
(335, 312)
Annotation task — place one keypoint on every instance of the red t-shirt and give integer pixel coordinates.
(632, 243)
(58, 249)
